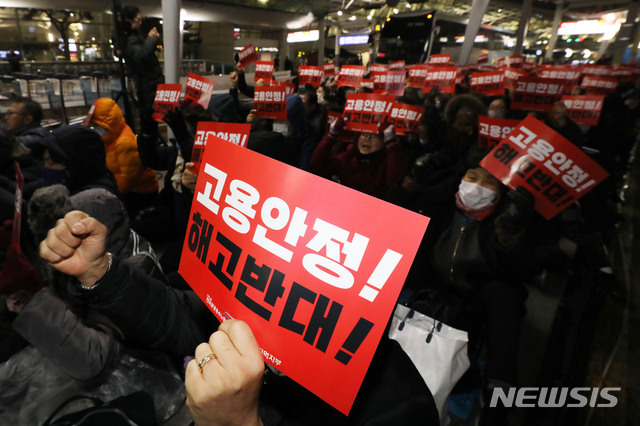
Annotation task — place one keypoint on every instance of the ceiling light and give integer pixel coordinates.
(369, 17)
(352, 18)
(395, 10)
(339, 13)
(408, 6)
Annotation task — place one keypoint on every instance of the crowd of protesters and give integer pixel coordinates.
(95, 289)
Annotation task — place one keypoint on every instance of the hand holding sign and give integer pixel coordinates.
(225, 390)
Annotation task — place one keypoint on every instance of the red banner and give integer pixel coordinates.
(363, 112)
(568, 75)
(17, 210)
(596, 70)
(405, 118)
(389, 83)
(310, 75)
(584, 109)
(622, 74)
(316, 280)
(442, 59)
(397, 66)
(367, 83)
(167, 98)
(247, 56)
(441, 77)
(534, 94)
(513, 61)
(270, 102)
(378, 68)
(199, 89)
(350, 75)
(264, 71)
(329, 69)
(599, 85)
(493, 130)
(236, 133)
(417, 75)
(488, 83)
(483, 59)
(555, 171)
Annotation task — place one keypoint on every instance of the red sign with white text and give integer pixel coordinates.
(236, 133)
(378, 68)
(389, 83)
(442, 77)
(555, 171)
(167, 98)
(488, 83)
(535, 94)
(441, 59)
(199, 89)
(397, 66)
(270, 102)
(310, 75)
(363, 112)
(493, 130)
(513, 61)
(329, 69)
(405, 118)
(264, 71)
(246, 56)
(316, 280)
(417, 75)
(346, 135)
(350, 75)
(289, 88)
(599, 85)
(568, 75)
(584, 109)
(596, 70)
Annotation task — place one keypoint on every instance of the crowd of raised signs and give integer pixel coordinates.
(506, 161)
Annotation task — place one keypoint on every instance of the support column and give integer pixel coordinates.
(557, 20)
(284, 51)
(337, 46)
(523, 26)
(321, 41)
(625, 35)
(479, 8)
(172, 34)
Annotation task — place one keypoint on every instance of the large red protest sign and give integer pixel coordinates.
(350, 75)
(246, 56)
(397, 66)
(167, 98)
(405, 118)
(513, 61)
(378, 68)
(363, 112)
(389, 83)
(417, 75)
(264, 71)
(492, 130)
(236, 133)
(599, 85)
(568, 75)
(596, 70)
(329, 69)
(441, 59)
(270, 102)
(584, 109)
(347, 135)
(199, 89)
(442, 77)
(622, 74)
(315, 278)
(310, 75)
(555, 171)
(535, 94)
(488, 83)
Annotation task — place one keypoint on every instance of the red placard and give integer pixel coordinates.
(622, 74)
(310, 75)
(535, 94)
(363, 112)
(345, 136)
(378, 68)
(599, 85)
(264, 71)
(350, 75)
(17, 210)
(167, 98)
(584, 109)
(596, 70)
(483, 59)
(554, 170)
(389, 83)
(514, 73)
(529, 66)
(568, 75)
(246, 56)
(316, 280)
(329, 69)
(442, 77)
(236, 133)
(405, 118)
(417, 75)
(493, 130)
(488, 83)
(289, 88)
(442, 59)
(397, 66)
(367, 83)
(513, 61)
(270, 102)
(199, 89)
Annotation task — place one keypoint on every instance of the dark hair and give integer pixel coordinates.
(312, 96)
(130, 12)
(30, 107)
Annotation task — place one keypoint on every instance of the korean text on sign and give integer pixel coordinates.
(493, 130)
(167, 98)
(488, 83)
(247, 56)
(405, 118)
(236, 133)
(417, 75)
(441, 77)
(199, 89)
(390, 82)
(535, 94)
(264, 71)
(316, 280)
(350, 75)
(584, 109)
(599, 85)
(310, 75)
(442, 59)
(270, 102)
(363, 112)
(329, 69)
(550, 167)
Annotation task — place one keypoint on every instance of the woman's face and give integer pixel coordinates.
(481, 177)
(369, 143)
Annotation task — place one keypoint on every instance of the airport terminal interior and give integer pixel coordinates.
(453, 60)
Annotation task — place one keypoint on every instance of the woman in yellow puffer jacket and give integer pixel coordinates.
(137, 184)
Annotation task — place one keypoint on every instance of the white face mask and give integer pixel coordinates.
(281, 128)
(476, 197)
(496, 114)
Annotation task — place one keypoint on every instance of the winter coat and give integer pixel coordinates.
(121, 150)
(143, 63)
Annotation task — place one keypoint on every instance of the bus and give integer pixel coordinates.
(415, 36)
